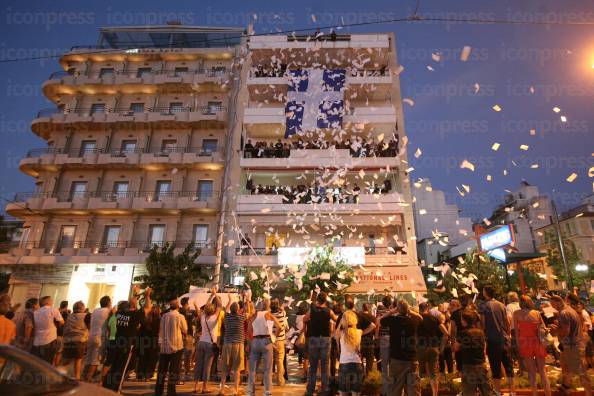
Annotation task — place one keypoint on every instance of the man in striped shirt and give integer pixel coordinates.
(279, 345)
(171, 344)
(232, 357)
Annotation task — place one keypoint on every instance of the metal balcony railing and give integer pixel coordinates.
(79, 152)
(369, 251)
(109, 196)
(165, 110)
(142, 72)
(102, 246)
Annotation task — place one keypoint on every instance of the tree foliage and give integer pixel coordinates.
(467, 276)
(170, 275)
(324, 270)
(573, 256)
(257, 281)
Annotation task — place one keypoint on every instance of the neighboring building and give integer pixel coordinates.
(146, 146)
(438, 224)
(135, 156)
(11, 231)
(527, 210)
(577, 227)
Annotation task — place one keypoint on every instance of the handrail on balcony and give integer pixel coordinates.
(38, 152)
(48, 112)
(205, 110)
(369, 251)
(68, 196)
(59, 74)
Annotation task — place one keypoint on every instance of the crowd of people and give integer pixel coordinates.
(358, 148)
(215, 344)
(302, 194)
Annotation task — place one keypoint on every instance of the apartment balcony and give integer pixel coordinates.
(308, 159)
(341, 41)
(52, 158)
(115, 202)
(264, 122)
(278, 204)
(112, 79)
(269, 86)
(374, 256)
(75, 252)
(49, 120)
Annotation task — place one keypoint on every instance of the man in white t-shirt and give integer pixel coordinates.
(44, 341)
(94, 348)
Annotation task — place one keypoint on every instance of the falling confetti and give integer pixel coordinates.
(572, 177)
(467, 165)
(409, 101)
(556, 109)
(418, 153)
(495, 146)
(524, 147)
(563, 118)
(497, 108)
(465, 54)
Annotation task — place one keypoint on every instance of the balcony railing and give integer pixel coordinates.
(165, 110)
(369, 251)
(102, 246)
(141, 72)
(109, 196)
(80, 152)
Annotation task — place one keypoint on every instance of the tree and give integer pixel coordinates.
(323, 270)
(170, 275)
(572, 254)
(468, 276)
(257, 281)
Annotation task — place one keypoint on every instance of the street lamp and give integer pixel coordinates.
(581, 267)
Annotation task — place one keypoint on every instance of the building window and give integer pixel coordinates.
(128, 146)
(168, 146)
(176, 107)
(111, 236)
(156, 234)
(87, 147)
(214, 107)
(78, 189)
(106, 72)
(137, 107)
(25, 237)
(180, 71)
(120, 189)
(143, 71)
(205, 190)
(200, 238)
(163, 190)
(97, 108)
(209, 145)
(66, 238)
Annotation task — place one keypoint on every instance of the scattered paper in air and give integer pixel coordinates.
(572, 177)
(465, 54)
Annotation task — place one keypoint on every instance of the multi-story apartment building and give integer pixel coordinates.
(149, 143)
(324, 115)
(135, 156)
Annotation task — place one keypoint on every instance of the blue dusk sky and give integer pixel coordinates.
(525, 69)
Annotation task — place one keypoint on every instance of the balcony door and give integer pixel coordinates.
(209, 146)
(128, 146)
(205, 190)
(97, 108)
(78, 189)
(163, 190)
(120, 189)
(111, 236)
(87, 147)
(176, 107)
(156, 234)
(200, 235)
(66, 238)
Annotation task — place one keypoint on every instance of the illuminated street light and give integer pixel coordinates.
(581, 267)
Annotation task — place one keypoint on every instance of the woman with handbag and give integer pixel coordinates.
(207, 347)
(531, 332)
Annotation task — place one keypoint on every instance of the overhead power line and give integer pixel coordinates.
(415, 18)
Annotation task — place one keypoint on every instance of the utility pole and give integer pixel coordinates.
(561, 246)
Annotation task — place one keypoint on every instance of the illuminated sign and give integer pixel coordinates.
(397, 279)
(352, 255)
(498, 254)
(497, 238)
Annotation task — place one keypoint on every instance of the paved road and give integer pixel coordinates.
(293, 388)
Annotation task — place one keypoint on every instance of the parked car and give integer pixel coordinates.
(22, 374)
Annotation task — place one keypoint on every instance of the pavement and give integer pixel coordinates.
(294, 387)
